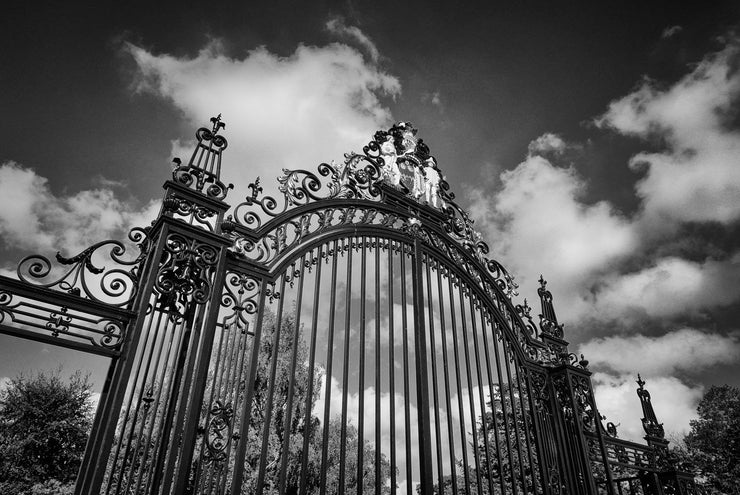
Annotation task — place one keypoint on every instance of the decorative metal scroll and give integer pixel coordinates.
(184, 273)
(83, 276)
(361, 176)
(203, 171)
(68, 324)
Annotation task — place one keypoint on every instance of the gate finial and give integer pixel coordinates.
(650, 424)
(548, 321)
(203, 171)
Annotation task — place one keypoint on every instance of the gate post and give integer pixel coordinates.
(151, 411)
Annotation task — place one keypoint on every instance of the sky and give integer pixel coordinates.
(596, 145)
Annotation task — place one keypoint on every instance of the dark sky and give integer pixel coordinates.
(481, 80)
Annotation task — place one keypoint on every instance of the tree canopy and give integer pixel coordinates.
(712, 447)
(44, 424)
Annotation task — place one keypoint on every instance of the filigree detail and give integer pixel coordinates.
(361, 176)
(184, 273)
(218, 432)
(85, 278)
(190, 212)
(202, 173)
(59, 322)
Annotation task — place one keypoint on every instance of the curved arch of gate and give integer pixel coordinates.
(277, 243)
(488, 357)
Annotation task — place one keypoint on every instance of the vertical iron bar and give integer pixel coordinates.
(236, 484)
(155, 404)
(471, 398)
(496, 433)
(152, 346)
(433, 348)
(540, 429)
(377, 367)
(329, 356)
(107, 417)
(448, 393)
(508, 356)
(271, 387)
(391, 366)
(291, 382)
(481, 386)
(406, 387)
(528, 428)
(422, 378)
(308, 424)
(180, 383)
(191, 418)
(499, 336)
(361, 404)
(345, 366)
(461, 408)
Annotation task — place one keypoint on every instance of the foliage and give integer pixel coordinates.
(712, 447)
(44, 424)
(500, 430)
(287, 353)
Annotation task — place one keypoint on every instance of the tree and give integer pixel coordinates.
(505, 428)
(44, 424)
(290, 370)
(712, 447)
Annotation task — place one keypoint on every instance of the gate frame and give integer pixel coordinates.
(193, 208)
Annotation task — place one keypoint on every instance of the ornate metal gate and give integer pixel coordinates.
(349, 336)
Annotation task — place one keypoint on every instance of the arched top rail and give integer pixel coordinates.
(395, 174)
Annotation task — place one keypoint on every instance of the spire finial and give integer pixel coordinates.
(543, 282)
(218, 124)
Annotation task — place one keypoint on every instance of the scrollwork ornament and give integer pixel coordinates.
(84, 277)
(184, 275)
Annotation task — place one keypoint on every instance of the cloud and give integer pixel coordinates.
(671, 31)
(337, 26)
(674, 403)
(32, 218)
(292, 112)
(686, 350)
(695, 177)
(435, 99)
(671, 286)
(603, 265)
(537, 219)
(547, 143)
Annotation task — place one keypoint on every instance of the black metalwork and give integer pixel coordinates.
(348, 335)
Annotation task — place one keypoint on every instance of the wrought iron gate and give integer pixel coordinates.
(349, 336)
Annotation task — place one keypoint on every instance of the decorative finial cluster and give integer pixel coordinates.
(548, 321)
(653, 429)
(203, 171)
(218, 124)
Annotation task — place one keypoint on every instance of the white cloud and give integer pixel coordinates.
(337, 26)
(671, 31)
(671, 286)
(674, 403)
(32, 218)
(293, 112)
(547, 143)
(686, 350)
(696, 177)
(536, 224)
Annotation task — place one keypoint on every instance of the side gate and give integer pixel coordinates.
(347, 336)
